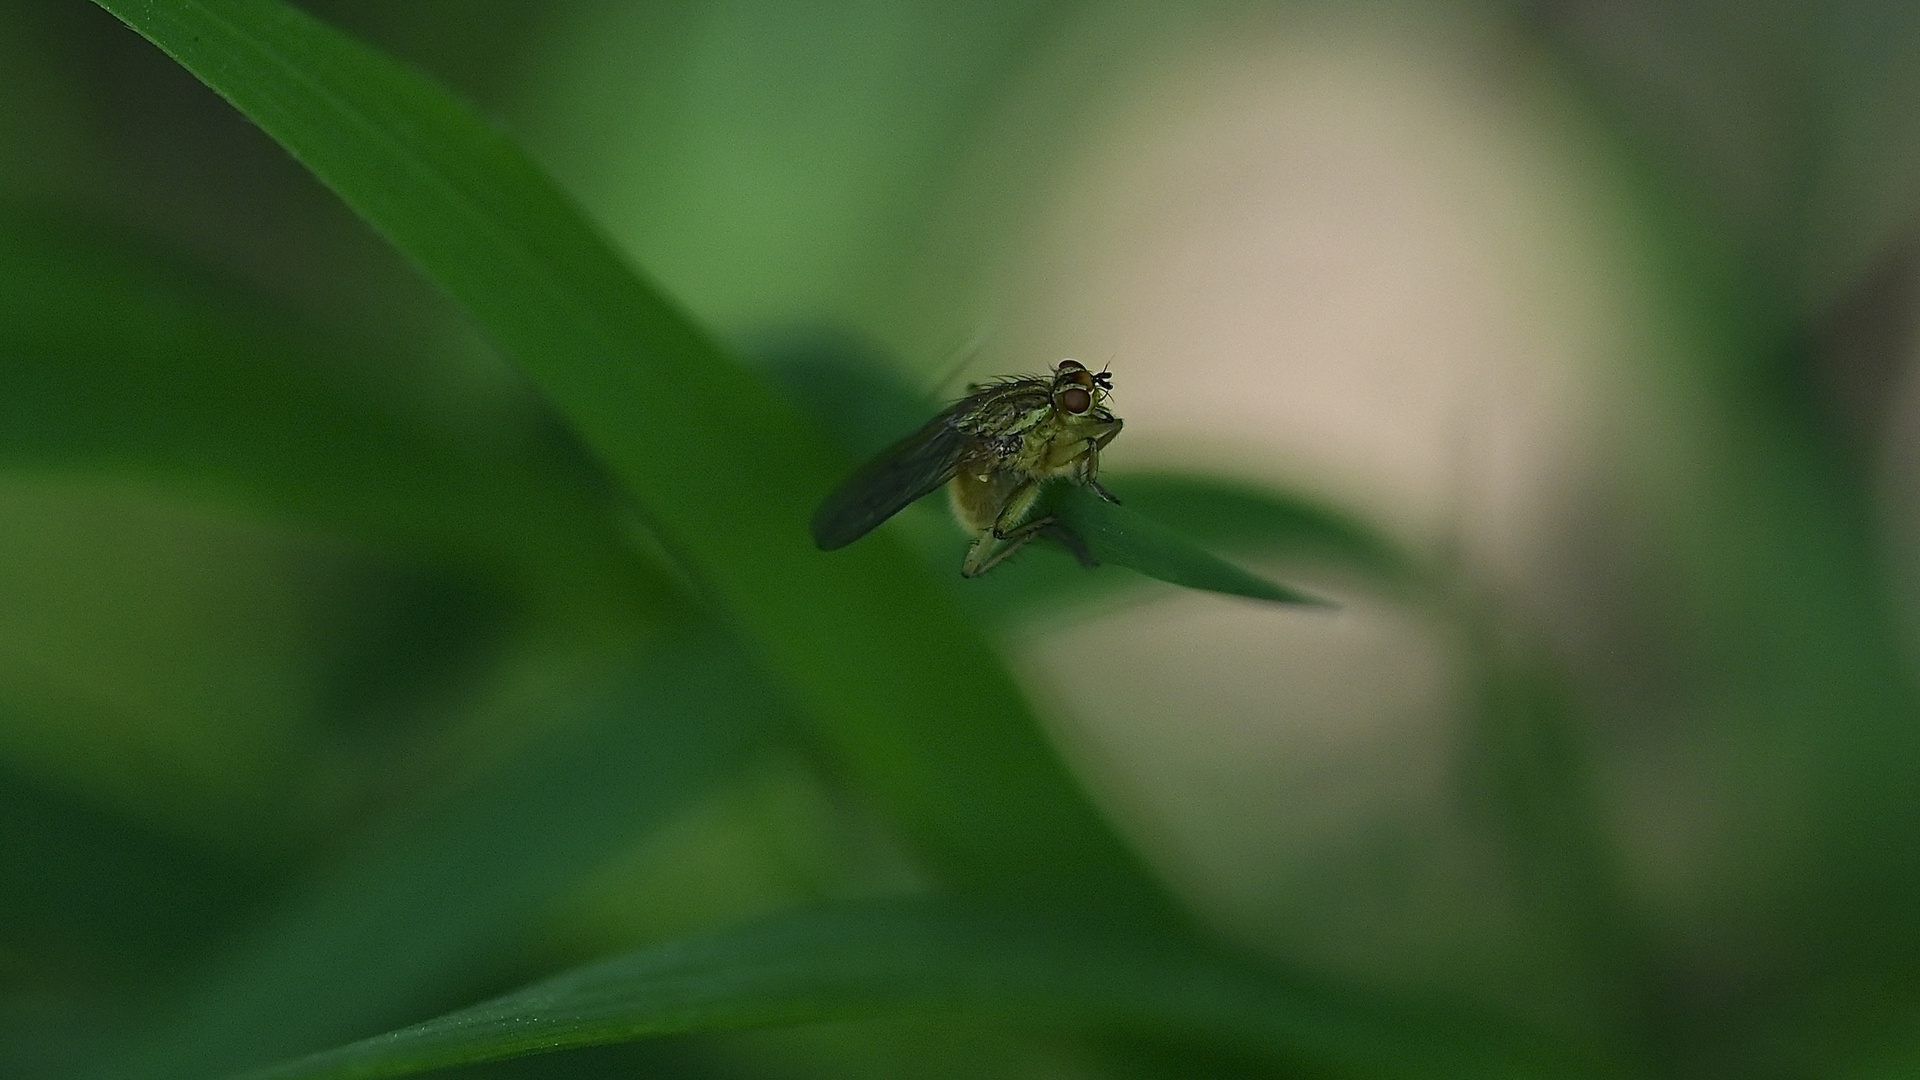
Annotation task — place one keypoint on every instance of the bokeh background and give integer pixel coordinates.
(1600, 314)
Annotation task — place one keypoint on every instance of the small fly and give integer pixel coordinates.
(998, 447)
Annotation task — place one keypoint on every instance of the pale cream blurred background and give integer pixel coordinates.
(1355, 257)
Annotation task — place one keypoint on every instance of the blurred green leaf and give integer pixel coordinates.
(1768, 150)
(859, 398)
(725, 472)
(773, 160)
(439, 894)
(908, 957)
(1527, 772)
(84, 880)
(1790, 125)
(44, 139)
(121, 362)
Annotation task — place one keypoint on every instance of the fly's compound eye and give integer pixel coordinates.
(1076, 400)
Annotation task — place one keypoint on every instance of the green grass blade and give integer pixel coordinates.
(1238, 516)
(725, 471)
(1118, 535)
(1217, 514)
(439, 894)
(911, 957)
(867, 406)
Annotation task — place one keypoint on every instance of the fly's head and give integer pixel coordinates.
(1080, 403)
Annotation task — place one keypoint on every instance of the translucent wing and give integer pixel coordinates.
(895, 477)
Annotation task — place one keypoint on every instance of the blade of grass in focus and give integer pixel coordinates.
(1216, 513)
(922, 957)
(1243, 517)
(726, 474)
(1118, 535)
(439, 894)
(867, 406)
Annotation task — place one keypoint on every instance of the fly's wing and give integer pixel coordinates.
(884, 486)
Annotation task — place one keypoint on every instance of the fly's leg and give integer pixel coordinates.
(979, 561)
(1018, 505)
(1003, 538)
(984, 555)
(1090, 470)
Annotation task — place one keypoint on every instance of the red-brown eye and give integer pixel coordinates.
(1075, 400)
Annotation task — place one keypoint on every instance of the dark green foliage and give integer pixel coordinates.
(917, 957)
(437, 895)
(468, 629)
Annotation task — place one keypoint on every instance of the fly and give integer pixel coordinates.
(997, 448)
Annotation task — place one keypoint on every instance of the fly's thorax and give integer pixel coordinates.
(1002, 415)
